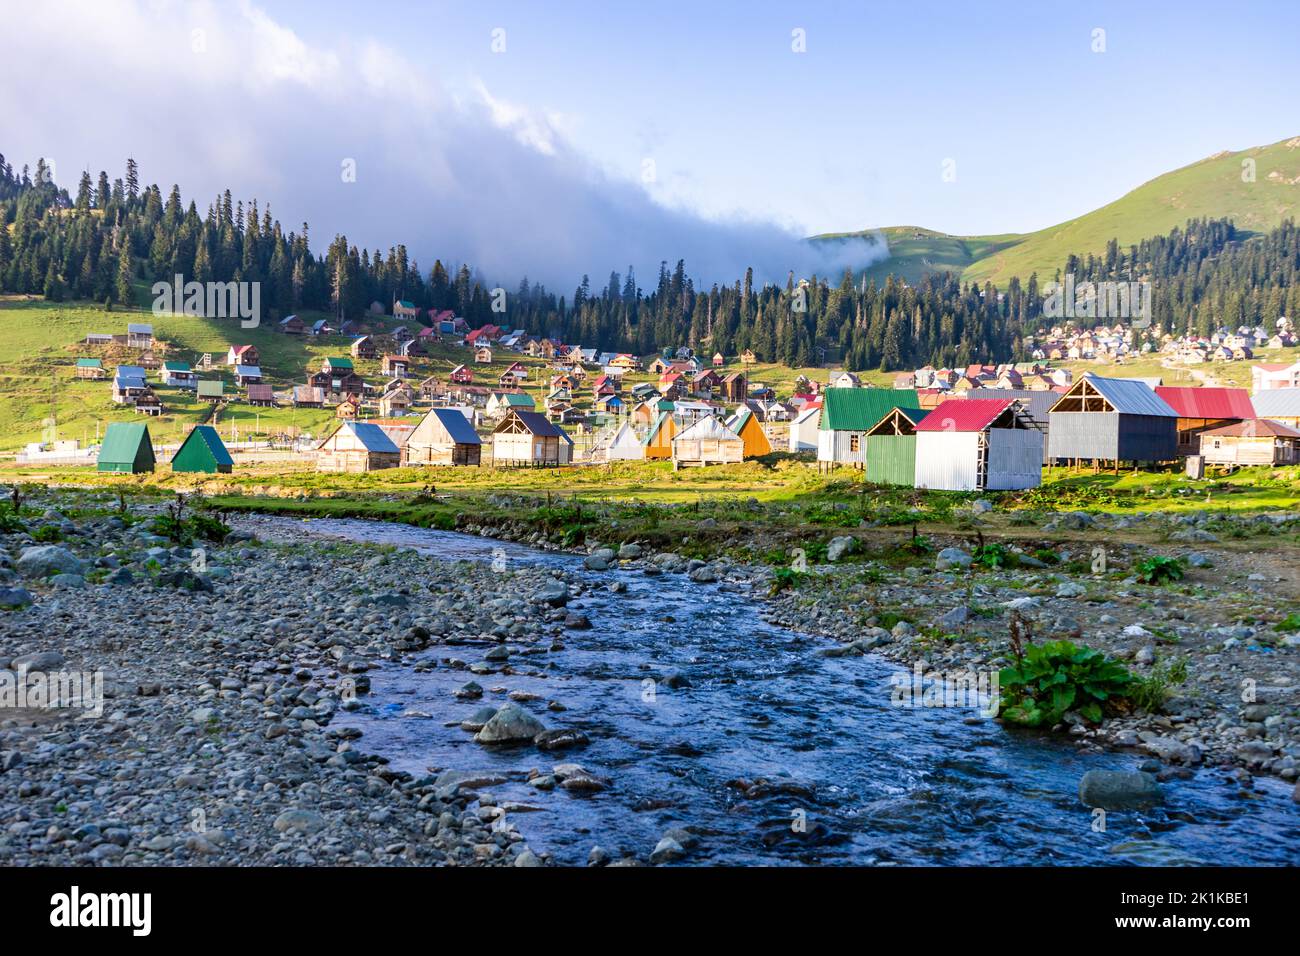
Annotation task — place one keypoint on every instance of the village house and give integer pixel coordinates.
(411, 348)
(128, 384)
(292, 325)
(734, 387)
(396, 365)
(1258, 441)
(528, 438)
(620, 445)
(500, 404)
(1202, 409)
(718, 360)
(337, 377)
(356, 447)
(658, 442)
(246, 375)
(1278, 404)
(364, 348)
(747, 425)
(483, 355)
(748, 358)
(308, 396)
(1267, 376)
(429, 388)
(461, 375)
(706, 442)
(396, 401)
(321, 327)
(211, 390)
(127, 448)
(405, 311)
(204, 452)
(147, 403)
(139, 335)
(443, 437)
(243, 355)
(348, 408)
(179, 375)
(92, 368)
(260, 394)
(803, 428)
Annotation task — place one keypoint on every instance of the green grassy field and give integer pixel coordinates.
(1212, 187)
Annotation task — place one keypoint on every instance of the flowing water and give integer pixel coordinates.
(855, 779)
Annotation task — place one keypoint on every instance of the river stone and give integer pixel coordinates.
(47, 559)
(956, 617)
(509, 724)
(40, 662)
(469, 691)
(629, 552)
(15, 597)
(298, 821)
(951, 558)
(704, 575)
(1071, 589)
(1118, 789)
(840, 546)
(667, 850)
(560, 739)
(68, 581)
(554, 592)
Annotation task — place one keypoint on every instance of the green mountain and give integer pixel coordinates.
(1213, 187)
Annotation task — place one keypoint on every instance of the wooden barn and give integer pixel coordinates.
(529, 438)
(127, 448)
(847, 414)
(443, 437)
(707, 442)
(364, 348)
(746, 424)
(261, 394)
(1203, 409)
(978, 444)
(203, 451)
(891, 447)
(658, 442)
(357, 447)
(1257, 441)
(1112, 420)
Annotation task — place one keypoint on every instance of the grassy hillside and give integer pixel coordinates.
(1212, 187)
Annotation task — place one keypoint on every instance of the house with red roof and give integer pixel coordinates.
(1203, 409)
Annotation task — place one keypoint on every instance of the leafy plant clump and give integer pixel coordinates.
(1052, 678)
(992, 556)
(1159, 569)
(1150, 692)
(784, 579)
(1289, 623)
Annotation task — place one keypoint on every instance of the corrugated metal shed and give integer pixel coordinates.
(457, 425)
(1106, 419)
(372, 437)
(1207, 403)
(857, 409)
(1036, 403)
(1126, 396)
(964, 415)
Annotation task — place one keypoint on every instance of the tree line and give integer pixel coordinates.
(105, 239)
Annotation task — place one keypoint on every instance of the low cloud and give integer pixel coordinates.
(215, 97)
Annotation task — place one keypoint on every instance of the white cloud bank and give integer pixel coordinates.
(214, 96)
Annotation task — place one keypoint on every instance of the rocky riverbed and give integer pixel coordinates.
(230, 676)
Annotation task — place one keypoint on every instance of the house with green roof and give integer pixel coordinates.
(179, 375)
(210, 390)
(127, 448)
(203, 451)
(848, 414)
(90, 368)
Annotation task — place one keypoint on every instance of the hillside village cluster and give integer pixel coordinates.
(1120, 342)
(981, 427)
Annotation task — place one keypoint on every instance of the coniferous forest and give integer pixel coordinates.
(103, 239)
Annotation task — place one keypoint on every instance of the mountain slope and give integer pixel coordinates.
(1212, 187)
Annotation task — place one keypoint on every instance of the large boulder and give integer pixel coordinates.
(840, 546)
(510, 724)
(15, 598)
(1118, 789)
(554, 593)
(952, 558)
(44, 560)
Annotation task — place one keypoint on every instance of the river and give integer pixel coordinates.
(856, 780)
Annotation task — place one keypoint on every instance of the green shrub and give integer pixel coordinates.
(1159, 569)
(992, 556)
(1059, 676)
(47, 533)
(1151, 691)
(1289, 623)
(784, 579)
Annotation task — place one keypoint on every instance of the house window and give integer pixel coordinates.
(855, 443)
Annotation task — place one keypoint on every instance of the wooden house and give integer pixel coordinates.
(308, 396)
(483, 355)
(210, 390)
(357, 447)
(707, 442)
(529, 438)
(128, 384)
(501, 403)
(246, 375)
(1256, 441)
(1279, 405)
(243, 355)
(443, 437)
(321, 327)
(462, 375)
(1111, 419)
(734, 387)
(1203, 409)
(848, 414)
(398, 366)
(364, 348)
(748, 358)
(396, 401)
(891, 448)
(203, 451)
(179, 375)
(705, 383)
(348, 408)
(127, 448)
(405, 310)
(92, 368)
(718, 360)
(429, 388)
(261, 394)
(292, 325)
(139, 335)
(148, 403)
(746, 424)
(978, 444)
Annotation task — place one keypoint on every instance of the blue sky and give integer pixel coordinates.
(853, 132)
(536, 160)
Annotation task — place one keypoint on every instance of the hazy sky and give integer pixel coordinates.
(561, 137)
